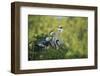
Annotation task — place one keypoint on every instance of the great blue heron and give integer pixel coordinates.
(52, 40)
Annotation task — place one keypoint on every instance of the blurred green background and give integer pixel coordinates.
(74, 36)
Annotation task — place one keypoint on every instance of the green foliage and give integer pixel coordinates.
(74, 37)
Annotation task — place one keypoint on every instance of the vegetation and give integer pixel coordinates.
(74, 36)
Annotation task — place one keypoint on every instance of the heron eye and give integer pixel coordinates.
(60, 27)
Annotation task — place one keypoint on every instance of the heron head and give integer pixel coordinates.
(60, 28)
